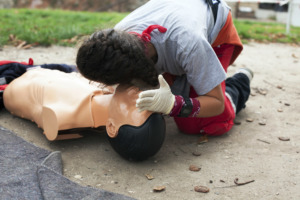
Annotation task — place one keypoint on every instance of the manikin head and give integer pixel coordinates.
(134, 135)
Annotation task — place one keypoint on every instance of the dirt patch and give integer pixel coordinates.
(251, 152)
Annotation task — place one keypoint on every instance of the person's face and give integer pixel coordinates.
(122, 110)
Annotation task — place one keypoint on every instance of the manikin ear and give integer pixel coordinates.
(111, 128)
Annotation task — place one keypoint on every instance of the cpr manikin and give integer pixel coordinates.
(58, 101)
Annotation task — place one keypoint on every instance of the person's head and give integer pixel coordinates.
(134, 135)
(115, 57)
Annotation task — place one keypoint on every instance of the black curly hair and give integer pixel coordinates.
(115, 57)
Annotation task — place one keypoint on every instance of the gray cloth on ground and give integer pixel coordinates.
(30, 172)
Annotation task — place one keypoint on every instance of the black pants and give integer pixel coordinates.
(238, 87)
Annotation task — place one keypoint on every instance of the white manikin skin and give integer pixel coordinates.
(56, 101)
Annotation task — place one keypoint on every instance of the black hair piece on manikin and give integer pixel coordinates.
(140, 142)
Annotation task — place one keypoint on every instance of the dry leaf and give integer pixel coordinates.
(262, 122)
(249, 120)
(194, 168)
(23, 43)
(12, 37)
(202, 189)
(71, 40)
(202, 139)
(149, 176)
(28, 46)
(294, 56)
(279, 110)
(284, 138)
(78, 176)
(159, 188)
(262, 91)
(236, 181)
(237, 122)
(196, 153)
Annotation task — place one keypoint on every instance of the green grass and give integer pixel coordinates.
(46, 27)
(266, 32)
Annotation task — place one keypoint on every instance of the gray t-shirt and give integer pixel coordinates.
(185, 48)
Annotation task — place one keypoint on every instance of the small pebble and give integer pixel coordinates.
(262, 122)
(78, 176)
(196, 153)
(159, 188)
(149, 176)
(202, 189)
(194, 168)
(249, 120)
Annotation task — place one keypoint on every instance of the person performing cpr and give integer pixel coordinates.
(183, 48)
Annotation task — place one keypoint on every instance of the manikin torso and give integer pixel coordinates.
(57, 101)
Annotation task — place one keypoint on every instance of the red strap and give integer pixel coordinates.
(2, 87)
(179, 103)
(146, 33)
(4, 62)
(30, 61)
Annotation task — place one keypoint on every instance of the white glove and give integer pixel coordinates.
(159, 100)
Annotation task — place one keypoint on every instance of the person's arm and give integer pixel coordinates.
(162, 100)
(212, 103)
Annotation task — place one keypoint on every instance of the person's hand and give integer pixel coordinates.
(159, 100)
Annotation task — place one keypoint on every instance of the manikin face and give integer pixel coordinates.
(122, 110)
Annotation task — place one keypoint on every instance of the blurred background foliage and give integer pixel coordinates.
(46, 27)
(27, 27)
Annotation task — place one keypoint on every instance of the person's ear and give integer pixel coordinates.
(111, 128)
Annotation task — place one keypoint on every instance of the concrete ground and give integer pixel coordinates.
(253, 151)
